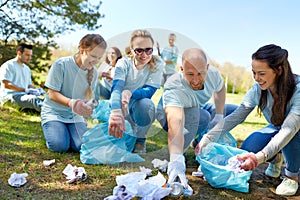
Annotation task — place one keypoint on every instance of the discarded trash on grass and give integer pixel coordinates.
(74, 173)
(135, 184)
(17, 180)
(162, 165)
(47, 163)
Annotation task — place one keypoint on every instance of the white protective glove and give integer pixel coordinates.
(203, 142)
(126, 95)
(215, 120)
(176, 168)
(80, 107)
(116, 122)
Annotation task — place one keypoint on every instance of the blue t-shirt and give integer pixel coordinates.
(170, 53)
(130, 78)
(177, 92)
(19, 75)
(134, 78)
(252, 99)
(71, 81)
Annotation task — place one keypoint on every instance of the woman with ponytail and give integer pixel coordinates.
(276, 94)
(71, 82)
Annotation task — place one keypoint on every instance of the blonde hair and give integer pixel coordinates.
(90, 41)
(144, 34)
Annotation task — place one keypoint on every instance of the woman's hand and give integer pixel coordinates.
(126, 95)
(107, 75)
(116, 125)
(249, 161)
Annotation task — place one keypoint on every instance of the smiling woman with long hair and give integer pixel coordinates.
(277, 95)
(71, 82)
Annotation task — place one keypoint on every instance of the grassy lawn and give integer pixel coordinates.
(23, 149)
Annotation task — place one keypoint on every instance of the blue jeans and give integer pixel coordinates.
(61, 137)
(206, 114)
(141, 116)
(259, 139)
(102, 91)
(25, 101)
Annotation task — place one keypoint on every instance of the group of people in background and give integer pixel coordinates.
(184, 110)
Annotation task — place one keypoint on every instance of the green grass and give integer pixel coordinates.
(23, 149)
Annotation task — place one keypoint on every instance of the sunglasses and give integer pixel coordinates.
(147, 51)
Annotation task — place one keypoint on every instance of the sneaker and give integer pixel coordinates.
(287, 187)
(274, 169)
(139, 148)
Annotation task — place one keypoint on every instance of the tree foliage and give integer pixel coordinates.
(39, 21)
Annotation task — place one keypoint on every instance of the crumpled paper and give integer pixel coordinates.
(234, 165)
(47, 163)
(162, 165)
(135, 184)
(17, 180)
(145, 170)
(74, 173)
(198, 173)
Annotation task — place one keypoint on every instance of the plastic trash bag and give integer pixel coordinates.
(225, 139)
(100, 148)
(214, 165)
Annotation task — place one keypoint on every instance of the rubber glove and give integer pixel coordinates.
(203, 142)
(176, 168)
(126, 95)
(80, 107)
(116, 122)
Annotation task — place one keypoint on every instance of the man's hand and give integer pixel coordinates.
(176, 168)
(107, 75)
(79, 107)
(116, 125)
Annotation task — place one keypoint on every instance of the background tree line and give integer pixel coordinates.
(38, 22)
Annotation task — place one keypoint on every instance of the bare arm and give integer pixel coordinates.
(175, 118)
(58, 97)
(11, 86)
(219, 99)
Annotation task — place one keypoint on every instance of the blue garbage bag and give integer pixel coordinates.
(213, 160)
(100, 148)
(225, 139)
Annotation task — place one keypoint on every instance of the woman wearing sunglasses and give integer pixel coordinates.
(136, 79)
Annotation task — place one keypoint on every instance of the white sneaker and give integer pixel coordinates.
(287, 187)
(274, 169)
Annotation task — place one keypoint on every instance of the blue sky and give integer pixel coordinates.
(228, 30)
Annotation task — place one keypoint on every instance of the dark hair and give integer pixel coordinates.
(285, 84)
(118, 53)
(90, 41)
(23, 46)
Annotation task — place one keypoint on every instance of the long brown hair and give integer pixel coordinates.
(119, 56)
(90, 41)
(285, 83)
(144, 34)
